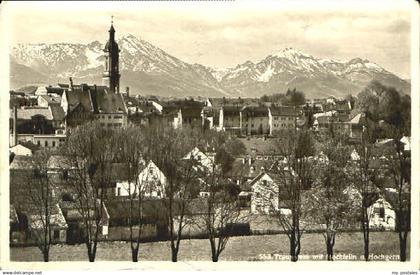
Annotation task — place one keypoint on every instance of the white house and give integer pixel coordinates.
(264, 197)
(20, 150)
(407, 143)
(205, 160)
(382, 215)
(151, 181)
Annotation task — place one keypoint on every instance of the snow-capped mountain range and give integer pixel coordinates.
(146, 69)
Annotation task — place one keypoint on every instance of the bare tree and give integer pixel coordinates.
(365, 181)
(222, 211)
(167, 148)
(89, 151)
(331, 204)
(130, 149)
(37, 200)
(287, 197)
(397, 170)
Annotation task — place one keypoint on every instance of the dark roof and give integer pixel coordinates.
(219, 102)
(21, 162)
(231, 110)
(79, 96)
(170, 110)
(193, 112)
(283, 111)
(247, 170)
(98, 99)
(211, 111)
(260, 146)
(119, 172)
(255, 111)
(152, 209)
(57, 112)
(28, 113)
(104, 101)
(342, 106)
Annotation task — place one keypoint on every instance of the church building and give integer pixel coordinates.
(105, 104)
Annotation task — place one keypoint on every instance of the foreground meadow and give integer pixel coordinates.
(349, 246)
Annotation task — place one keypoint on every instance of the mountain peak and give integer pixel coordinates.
(130, 37)
(291, 52)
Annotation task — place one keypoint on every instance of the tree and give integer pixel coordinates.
(89, 151)
(167, 148)
(131, 143)
(36, 199)
(330, 204)
(365, 182)
(288, 196)
(396, 185)
(222, 211)
(294, 98)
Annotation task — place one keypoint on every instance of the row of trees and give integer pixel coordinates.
(317, 183)
(313, 181)
(89, 155)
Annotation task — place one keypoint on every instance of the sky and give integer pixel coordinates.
(228, 33)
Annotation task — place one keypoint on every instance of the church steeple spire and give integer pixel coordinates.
(111, 75)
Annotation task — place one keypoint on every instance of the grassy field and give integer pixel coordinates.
(245, 248)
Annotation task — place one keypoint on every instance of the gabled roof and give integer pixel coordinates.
(57, 112)
(260, 146)
(78, 96)
(231, 110)
(283, 111)
(273, 176)
(358, 119)
(219, 102)
(97, 99)
(56, 219)
(21, 162)
(104, 101)
(191, 112)
(255, 111)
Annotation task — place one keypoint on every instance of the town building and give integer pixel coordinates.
(281, 118)
(151, 183)
(255, 120)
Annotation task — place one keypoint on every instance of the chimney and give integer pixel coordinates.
(71, 82)
(250, 160)
(127, 90)
(14, 126)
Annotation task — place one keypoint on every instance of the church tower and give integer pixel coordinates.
(111, 75)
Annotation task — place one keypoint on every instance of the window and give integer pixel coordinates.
(53, 144)
(46, 143)
(65, 174)
(109, 117)
(38, 143)
(118, 191)
(118, 116)
(56, 234)
(67, 197)
(158, 193)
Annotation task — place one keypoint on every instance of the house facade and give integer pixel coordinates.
(281, 118)
(151, 182)
(255, 120)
